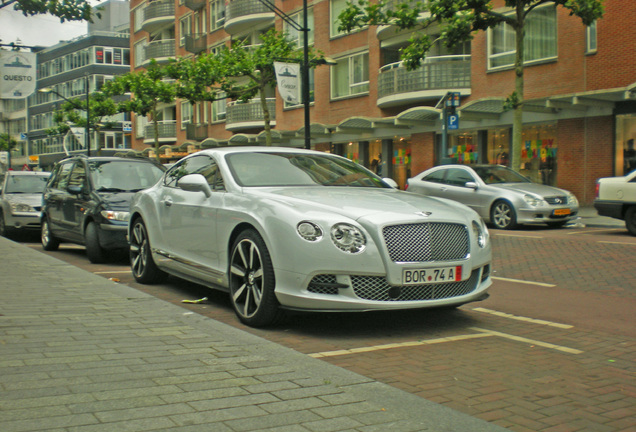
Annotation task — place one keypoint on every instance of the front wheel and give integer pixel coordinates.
(94, 250)
(252, 281)
(49, 242)
(5, 231)
(630, 220)
(142, 265)
(503, 215)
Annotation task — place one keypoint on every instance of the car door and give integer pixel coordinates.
(76, 202)
(430, 184)
(54, 199)
(455, 188)
(188, 218)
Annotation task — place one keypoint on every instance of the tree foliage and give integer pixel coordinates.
(147, 89)
(458, 20)
(65, 10)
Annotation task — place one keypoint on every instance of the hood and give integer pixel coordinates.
(116, 200)
(533, 188)
(32, 199)
(379, 205)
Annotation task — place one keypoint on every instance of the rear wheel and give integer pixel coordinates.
(630, 220)
(503, 215)
(142, 265)
(252, 281)
(49, 242)
(95, 252)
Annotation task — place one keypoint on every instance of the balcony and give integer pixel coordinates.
(160, 50)
(245, 14)
(195, 5)
(249, 115)
(167, 131)
(384, 32)
(196, 132)
(196, 43)
(435, 77)
(158, 14)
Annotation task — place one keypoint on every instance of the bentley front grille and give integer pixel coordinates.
(425, 242)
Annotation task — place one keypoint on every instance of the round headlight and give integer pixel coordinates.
(481, 233)
(532, 200)
(348, 238)
(572, 200)
(309, 231)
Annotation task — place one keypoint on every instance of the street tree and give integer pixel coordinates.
(458, 21)
(72, 113)
(65, 10)
(147, 88)
(8, 143)
(239, 72)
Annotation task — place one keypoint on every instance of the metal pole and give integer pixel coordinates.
(305, 76)
(88, 116)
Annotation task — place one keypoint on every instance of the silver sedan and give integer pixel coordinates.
(498, 194)
(282, 228)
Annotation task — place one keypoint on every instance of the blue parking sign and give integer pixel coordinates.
(453, 122)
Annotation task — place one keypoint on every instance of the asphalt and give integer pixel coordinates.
(82, 353)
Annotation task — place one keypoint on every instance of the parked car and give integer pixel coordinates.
(299, 229)
(616, 198)
(21, 200)
(498, 194)
(86, 202)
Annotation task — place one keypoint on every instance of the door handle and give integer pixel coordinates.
(167, 202)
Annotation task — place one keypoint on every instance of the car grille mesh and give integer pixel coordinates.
(323, 284)
(376, 288)
(556, 200)
(425, 242)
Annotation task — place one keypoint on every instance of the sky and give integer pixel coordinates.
(45, 30)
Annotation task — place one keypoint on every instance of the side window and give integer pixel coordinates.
(62, 175)
(458, 177)
(203, 165)
(435, 177)
(78, 175)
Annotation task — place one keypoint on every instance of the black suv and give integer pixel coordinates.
(86, 201)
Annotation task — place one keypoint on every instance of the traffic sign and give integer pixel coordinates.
(126, 126)
(453, 122)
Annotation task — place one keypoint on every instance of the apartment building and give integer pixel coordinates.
(70, 70)
(580, 90)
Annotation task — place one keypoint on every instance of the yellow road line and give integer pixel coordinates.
(523, 281)
(525, 319)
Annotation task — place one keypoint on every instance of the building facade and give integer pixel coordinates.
(580, 90)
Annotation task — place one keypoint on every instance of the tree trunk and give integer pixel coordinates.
(517, 123)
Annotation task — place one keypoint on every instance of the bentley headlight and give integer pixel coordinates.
(19, 207)
(348, 238)
(120, 216)
(532, 200)
(572, 200)
(309, 231)
(481, 233)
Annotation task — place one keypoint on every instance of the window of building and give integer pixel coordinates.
(335, 8)
(539, 153)
(350, 76)
(219, 108)
(186, 113)
(199, 23)
(139, 52)
(540, 41)
(590, 38)
(217, 14)
(185, 28)
(138, 17)
(298, 37)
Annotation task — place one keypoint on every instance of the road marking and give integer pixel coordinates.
(529, 341)
(595, 230)
(396, 345)
(525, 319)
(621, 243)
(517, 235)
(523, 282)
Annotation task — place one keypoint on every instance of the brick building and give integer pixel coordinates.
(580, 89)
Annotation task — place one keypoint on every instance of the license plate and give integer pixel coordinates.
(561, 212)
(431, 275)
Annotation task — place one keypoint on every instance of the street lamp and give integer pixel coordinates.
(87, 129)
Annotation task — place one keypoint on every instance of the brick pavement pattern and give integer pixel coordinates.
(81, 353)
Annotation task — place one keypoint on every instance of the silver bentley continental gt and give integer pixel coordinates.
(281, 228)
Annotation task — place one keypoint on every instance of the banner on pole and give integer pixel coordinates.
(79, 134)
(17, 74)
(287, 76)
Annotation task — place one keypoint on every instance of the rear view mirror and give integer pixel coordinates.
(471, 185)
(195, 183)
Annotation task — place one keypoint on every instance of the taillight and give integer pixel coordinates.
(598, 187)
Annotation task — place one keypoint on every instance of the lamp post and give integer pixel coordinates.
(87, 129)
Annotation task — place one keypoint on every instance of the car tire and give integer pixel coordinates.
(49, 242)
(630, 220)
(142, 265)
(252, 283)
(5, 231)
(94, 251)
(503, 215)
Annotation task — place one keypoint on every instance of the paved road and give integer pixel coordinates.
(553, 349)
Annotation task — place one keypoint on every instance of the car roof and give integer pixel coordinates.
(259, 149)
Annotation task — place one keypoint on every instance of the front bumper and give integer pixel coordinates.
(23, 220)
(545, 215)
(113, 236)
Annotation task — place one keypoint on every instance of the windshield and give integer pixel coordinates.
(123, 176)
(296, 169)
(499, 174)
(26, 184)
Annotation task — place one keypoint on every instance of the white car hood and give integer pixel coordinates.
(534, 188)
(368, 203)
(34, 200)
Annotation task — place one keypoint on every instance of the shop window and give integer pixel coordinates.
(625, 160)
(499, 147)
(401, 161)
(539, 153)
(464, 148)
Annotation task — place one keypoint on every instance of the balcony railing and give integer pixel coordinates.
(244, 115)
(243, 14)
(158, 13)
(435, 76)
(196, 132)
(160, 49)
(195, 43)
(167, 130)
(195, 5)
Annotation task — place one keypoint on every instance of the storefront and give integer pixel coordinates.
(625, 159)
